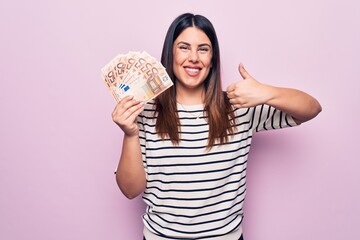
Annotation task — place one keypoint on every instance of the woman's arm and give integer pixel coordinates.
(300, 105)
(249, 92)
(130, 174)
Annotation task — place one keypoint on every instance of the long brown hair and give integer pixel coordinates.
(218, 110)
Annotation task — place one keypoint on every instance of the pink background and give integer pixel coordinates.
(59, 146)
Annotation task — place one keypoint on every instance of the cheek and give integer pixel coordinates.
(206, 60)
(176, 61)
(179, 58)
(176, 65)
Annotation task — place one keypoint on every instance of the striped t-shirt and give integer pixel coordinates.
(193, 193)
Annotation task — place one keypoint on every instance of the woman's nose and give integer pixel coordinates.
(193, 56)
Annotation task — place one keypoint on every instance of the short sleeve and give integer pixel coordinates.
(142, 138)
(265, 117)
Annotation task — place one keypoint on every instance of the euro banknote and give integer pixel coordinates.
(137, 74)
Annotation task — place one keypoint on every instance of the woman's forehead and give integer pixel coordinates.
(193, 36)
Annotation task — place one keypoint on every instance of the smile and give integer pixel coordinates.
(192, 71)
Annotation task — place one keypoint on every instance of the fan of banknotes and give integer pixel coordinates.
(137, 74)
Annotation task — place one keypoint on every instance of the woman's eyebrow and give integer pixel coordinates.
(182, 42)
(204, 44)
(188, 44)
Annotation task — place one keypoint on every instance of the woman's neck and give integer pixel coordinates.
(190, 96)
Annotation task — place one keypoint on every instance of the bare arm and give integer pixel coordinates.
(249, 92)
(130, 174)
(300, 105)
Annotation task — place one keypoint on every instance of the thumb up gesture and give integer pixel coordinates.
(247, 92)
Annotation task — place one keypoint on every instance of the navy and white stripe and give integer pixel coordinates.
(192, 192)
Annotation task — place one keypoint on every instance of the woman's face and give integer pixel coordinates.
(192, 52)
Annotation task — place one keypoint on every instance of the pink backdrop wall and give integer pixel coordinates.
(59, 146)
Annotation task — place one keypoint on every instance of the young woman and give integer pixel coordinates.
(187, 150)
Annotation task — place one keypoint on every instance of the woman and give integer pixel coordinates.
(186, 151)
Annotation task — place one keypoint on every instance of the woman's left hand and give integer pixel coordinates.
(247, 92)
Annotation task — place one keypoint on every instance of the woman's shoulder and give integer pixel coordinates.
(149, 109)
(150, 104)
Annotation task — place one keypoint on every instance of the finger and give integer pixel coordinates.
(127, 101)
(119, 113)
(244, 74)
(126, 98)
(132, 102)
(134, 111)
(128, 115)
(124, 104)
(231, 87)
(231, 95)
(237, 105)
(236, 101)
(128, 118)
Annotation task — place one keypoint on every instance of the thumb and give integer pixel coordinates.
(244, 74)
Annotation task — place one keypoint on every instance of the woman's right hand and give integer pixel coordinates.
(125, 113)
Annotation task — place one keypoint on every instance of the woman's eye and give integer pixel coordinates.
(184, 47)
(203, 50)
